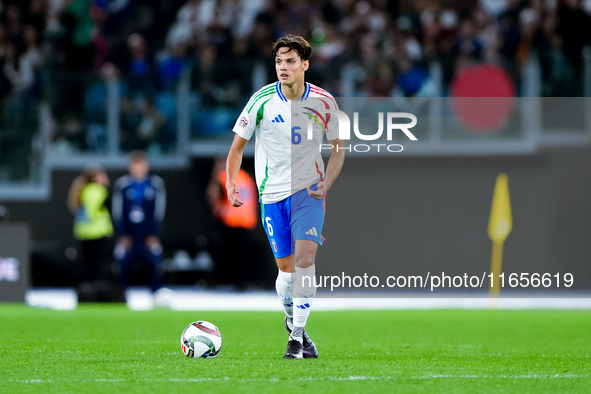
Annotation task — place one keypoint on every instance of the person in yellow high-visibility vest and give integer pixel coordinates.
(88, 202)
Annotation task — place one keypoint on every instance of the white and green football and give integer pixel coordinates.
(201, 339)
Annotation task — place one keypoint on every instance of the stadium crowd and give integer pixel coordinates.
(59, 49)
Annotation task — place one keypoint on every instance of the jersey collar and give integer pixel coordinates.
(306, 92)
(283, 98)
(279, 92)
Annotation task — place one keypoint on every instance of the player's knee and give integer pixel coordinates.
(305, 260)
(284, 263)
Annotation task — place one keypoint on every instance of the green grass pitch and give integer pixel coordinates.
(109, 349)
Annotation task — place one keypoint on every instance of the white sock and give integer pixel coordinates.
(298, 334)
(303, 294)
(283, 288)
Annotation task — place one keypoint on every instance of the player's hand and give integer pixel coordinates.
(232, 189)
(153, 244)
(152, 240)
(125, 241)
(317, 191)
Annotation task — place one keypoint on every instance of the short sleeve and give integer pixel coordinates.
(245, 125)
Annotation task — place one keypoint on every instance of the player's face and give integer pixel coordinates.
(289, 66)
(101, 178)
(139, 169)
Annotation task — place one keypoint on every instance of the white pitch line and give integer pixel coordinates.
(312, 378)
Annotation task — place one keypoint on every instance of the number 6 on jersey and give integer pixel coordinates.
(296, 137)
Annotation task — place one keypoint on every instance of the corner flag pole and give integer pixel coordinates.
(499, 227)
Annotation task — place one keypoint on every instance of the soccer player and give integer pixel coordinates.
(139, 201)
(290, 176)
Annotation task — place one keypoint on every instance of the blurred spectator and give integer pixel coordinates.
(14, 23)
(380, 82)
(19, 62)
(172, 65)
(80, 28)
(20, 68)
(138, 67)
(553, 62)
(239, 73)
(36, 15)
(100, 42)
(468, 47)
(5, 86)
(331, 46)
(574, 28)
(151, 125)
(192, 20)
(130, 118)
(70, 137)
(88, 200)
(208, 78)
(139, 202)
(141, 124)
(32, 52)
(385, 47)
(233, 239)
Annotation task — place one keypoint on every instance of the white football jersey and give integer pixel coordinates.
(287, 154)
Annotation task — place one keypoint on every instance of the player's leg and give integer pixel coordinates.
(283, 285)
(275, 218)
(303, 292)
(151, 257)
(89, 248)
(307, 222)
(125, 258)
(276, 222)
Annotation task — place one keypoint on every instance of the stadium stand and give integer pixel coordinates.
(105, 65)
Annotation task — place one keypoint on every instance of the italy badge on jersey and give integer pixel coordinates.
(274, 245)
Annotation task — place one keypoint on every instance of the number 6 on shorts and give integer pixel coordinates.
(269, 227)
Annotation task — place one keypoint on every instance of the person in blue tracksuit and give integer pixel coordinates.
(139, 202)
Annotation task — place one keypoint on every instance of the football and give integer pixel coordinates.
(201, 339)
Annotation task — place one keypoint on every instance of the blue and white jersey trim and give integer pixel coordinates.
(283, 98)
(279, 92)
(306, 92)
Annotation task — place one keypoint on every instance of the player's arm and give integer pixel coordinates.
(117, 207)
(233, 163)
(160, 206)
(333, 169)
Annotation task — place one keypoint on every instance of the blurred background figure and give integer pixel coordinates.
(141, 124)
(139, 64)
(139, 202)
(233, 239)
(88, 200)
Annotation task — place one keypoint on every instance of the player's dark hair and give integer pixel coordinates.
(297, 43)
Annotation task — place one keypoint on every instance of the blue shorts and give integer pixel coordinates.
(297, 217)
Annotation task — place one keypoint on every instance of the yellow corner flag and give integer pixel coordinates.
(501, 221)
(499, 227)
